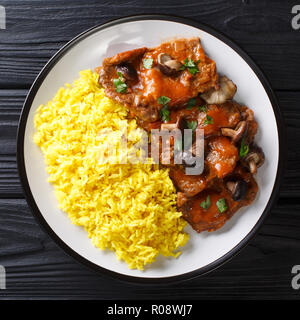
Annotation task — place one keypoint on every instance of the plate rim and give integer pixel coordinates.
(39, 216)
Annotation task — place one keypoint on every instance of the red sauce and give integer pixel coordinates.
(222, 157)
(156, 85)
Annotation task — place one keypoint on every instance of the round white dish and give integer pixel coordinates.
(204, 251)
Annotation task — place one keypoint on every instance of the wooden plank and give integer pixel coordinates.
(11, 104)
(36, 267)
(263, 30)
(10, 186)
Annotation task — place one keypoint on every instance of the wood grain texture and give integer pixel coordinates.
(36, 267)
(37, 29)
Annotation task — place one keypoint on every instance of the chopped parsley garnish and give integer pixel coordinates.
(208, 120)
(206, 203)
(120, 84)
(164, 112)
(244, 149)
(148, 63)
(192, 125)
(163, 100)
(191, 66)
(221, 204)
(191, 103)
(202, 108)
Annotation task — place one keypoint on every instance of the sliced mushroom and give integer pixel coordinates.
(238, 189)
(226, 91)
(254, 159)
(237, 133)
(247, 115)
(168, 126)
(127, 71)
(171, 126)
(167, 65)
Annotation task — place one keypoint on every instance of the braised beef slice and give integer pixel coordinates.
(211, 219)
(143, 92)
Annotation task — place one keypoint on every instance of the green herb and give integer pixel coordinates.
(148, 63)
(244, 149)
(206, 203)
(202, 108)
(191, 103)
(120, 84)
(221, 204)
(191, 66)
(208, 120)
(192, 125)
(163, 100)
(165, 113)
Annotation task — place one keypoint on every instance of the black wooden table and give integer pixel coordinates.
(35, 266)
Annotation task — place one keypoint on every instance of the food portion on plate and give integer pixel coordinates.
(176, 86)
(129, 209)
(170, 70)
(139, 210)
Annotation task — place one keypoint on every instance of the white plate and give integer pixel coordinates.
(204, 251)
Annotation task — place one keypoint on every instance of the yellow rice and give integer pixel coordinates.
(129, 209)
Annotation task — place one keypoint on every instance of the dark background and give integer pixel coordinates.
(35, 266)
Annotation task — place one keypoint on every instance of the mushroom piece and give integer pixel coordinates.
(247, 115)
(226, 91)
(254, 159)
(171, 126)
(237, 133)
(167, 65)
(238, 189)
(127, 71)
